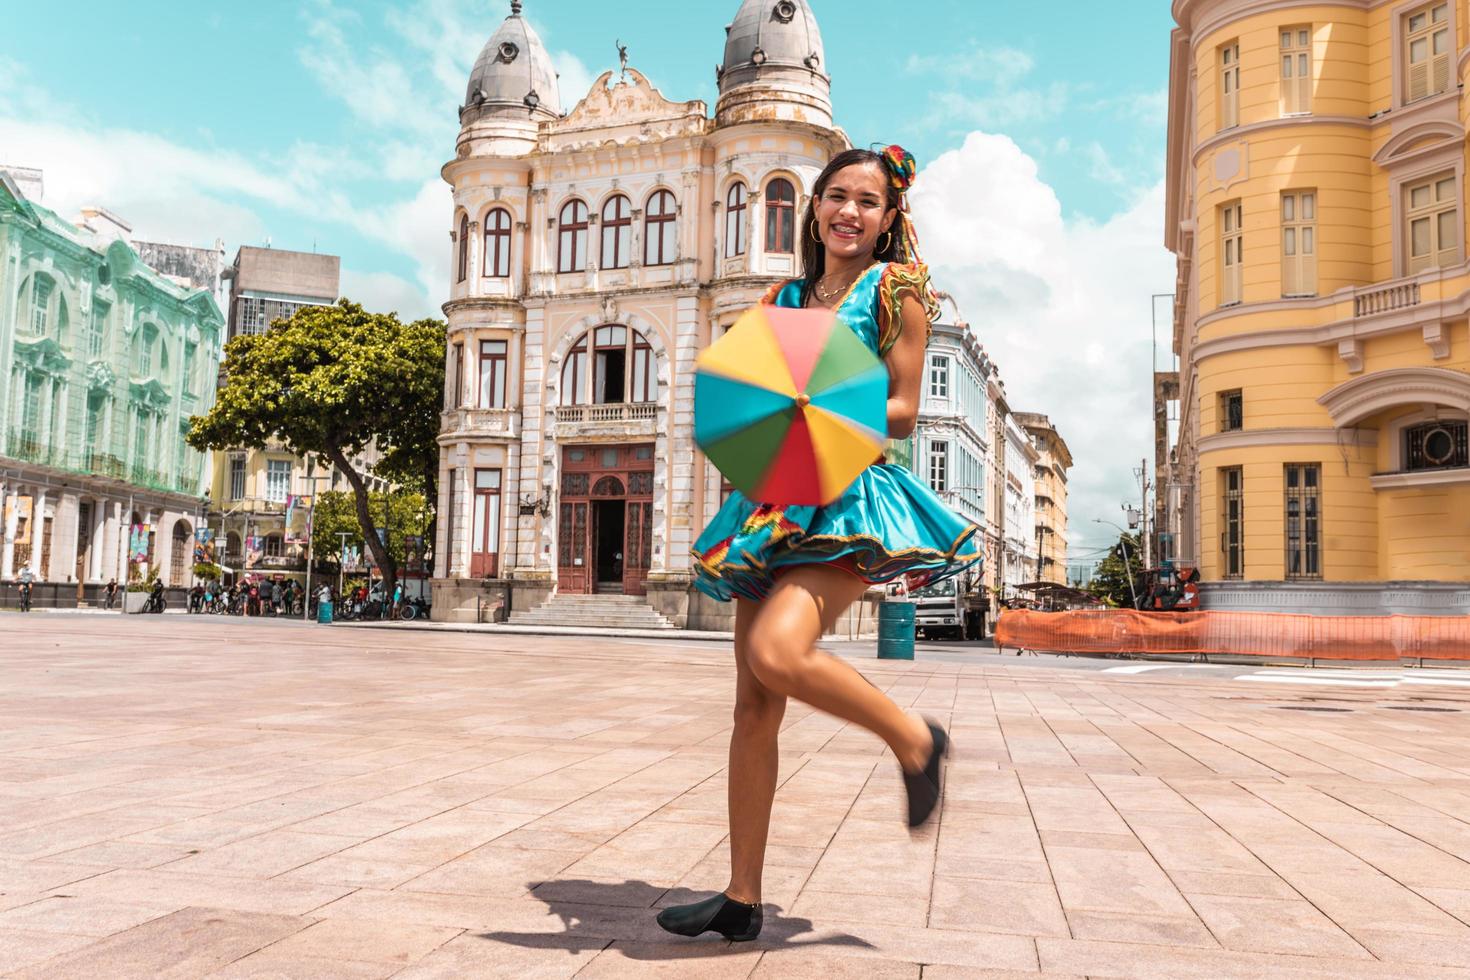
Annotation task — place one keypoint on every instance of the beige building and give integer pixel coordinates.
(1053, 460)
(598, 245)
(1316, 203)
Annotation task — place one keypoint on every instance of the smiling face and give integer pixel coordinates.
(853, 211)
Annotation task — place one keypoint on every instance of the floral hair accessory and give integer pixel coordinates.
(902, 167)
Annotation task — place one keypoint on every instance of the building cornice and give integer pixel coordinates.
(1419, 478)
(1235, 133)
(1265, 438)
(1353, 401)
(1204, 17)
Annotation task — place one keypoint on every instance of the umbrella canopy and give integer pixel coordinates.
(790, 405)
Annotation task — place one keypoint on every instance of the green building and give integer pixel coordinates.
(103, 360)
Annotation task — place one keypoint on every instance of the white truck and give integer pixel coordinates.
(952, 608)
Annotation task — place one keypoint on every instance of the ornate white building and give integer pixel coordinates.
(595, 252)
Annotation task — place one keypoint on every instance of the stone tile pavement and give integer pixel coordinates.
(190, 798)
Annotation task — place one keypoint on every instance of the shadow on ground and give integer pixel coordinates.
(596, 913)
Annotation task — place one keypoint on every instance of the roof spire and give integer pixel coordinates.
(515, 8)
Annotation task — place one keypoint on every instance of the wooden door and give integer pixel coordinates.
(574, 545)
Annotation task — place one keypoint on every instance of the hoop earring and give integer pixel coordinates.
(884, 247)
(813, 230)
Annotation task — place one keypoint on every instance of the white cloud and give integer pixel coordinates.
(386, 293)
(574, 78)
(1062, 307)
(998, 66)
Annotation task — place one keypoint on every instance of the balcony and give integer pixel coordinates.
(27, 447)
(619, 421)
(480, 422)
(1386, 299)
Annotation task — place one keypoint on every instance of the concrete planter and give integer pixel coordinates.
(133, 602)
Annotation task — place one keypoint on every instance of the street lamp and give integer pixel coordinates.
(1127, 564)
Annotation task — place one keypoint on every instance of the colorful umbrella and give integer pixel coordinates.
(790, 405)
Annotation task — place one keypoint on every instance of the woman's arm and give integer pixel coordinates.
(905, 360)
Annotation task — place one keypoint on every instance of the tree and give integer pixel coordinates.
(407, 515)
(328, 381)
(1118, 579)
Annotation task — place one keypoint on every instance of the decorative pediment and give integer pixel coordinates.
(1417, 140)
(1353, 401)
(42, 354)
(631, 101)
(150, 395)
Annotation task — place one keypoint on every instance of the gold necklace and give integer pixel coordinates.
(826, 295)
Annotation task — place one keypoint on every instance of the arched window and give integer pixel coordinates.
(191, 354)
(42, 286)
(659, 233)
(617, 233)
(609, 365)
(464, 247)
(147, 342)
(571, 248)
(736, 212)
(780, 217)
(63, 321)
(497, 244)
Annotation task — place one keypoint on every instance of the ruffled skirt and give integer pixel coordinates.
(886, 525)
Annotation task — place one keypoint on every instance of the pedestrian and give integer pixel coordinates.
(267, 597)
(109, 594)
(397, 599)
(792, 570)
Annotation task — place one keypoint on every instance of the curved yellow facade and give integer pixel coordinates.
(1317, 207)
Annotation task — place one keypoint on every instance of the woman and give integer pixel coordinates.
(793, 570)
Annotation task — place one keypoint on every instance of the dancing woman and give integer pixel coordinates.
(793, 570)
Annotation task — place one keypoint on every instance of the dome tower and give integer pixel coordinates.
(774, 66)
(512, 89)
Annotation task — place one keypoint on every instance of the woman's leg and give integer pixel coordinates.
(780, 649)
(754, 762)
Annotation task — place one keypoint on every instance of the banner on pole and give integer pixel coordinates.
(204, 546)
(138, 544)
(254, 550)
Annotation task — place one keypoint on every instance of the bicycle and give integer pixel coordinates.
(25, 597)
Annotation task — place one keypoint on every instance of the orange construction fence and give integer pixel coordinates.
(1237, 633)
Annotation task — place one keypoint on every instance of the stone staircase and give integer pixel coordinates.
(609, 611)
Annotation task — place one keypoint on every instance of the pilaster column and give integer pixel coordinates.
(97, 547)
(10, 508)
(38, 537)
(64, 538)
(755, 233)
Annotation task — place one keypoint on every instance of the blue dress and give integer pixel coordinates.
(886, 525)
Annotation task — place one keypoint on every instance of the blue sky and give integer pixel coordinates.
(323, 124)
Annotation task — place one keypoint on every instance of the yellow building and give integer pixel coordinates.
(1053, 461)
(1316, 187)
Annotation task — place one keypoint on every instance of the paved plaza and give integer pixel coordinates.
(190, 798)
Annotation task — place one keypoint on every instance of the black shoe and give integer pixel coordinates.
(924, 786)
(736, 921)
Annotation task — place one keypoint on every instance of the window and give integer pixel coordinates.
(617, 233)
(1426, 52)
(939, 377)
(1232, 411)
(277, 480)
(455, 375)
(141, 426)
(1303, 521)
(1296, 70)
(41, 289)
(147, 338)
(571, 249)
(938, 465)
(1232, 242)
(660, 234)
(497, 244)
(485, 527)
(464, 247)
(96, 413)
(492, 373)
(1431, 209)
(1232, 541)
(97, 336)
(451, 496)
(780, 217)
(736, 211)
(237, 477)
(1299, 243)
(1437, 445)
(273, 546)
(1230, 85)
(609, 365)
(191, 352)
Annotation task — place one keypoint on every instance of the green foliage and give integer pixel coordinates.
(328, 381)
(208, 571)
(1111, 582)
(336, 514)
